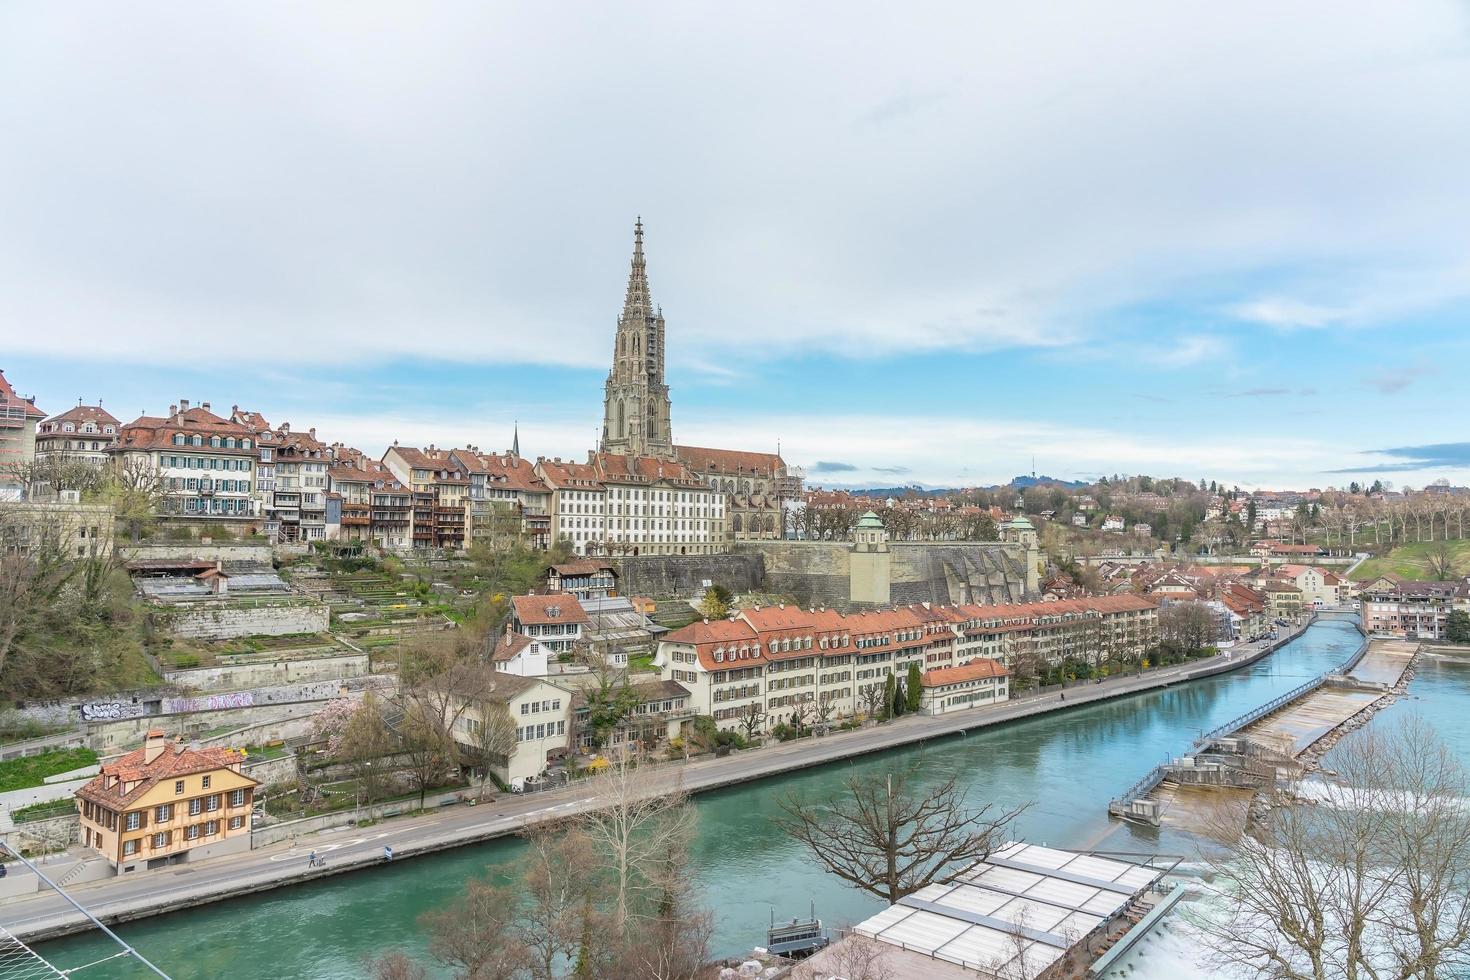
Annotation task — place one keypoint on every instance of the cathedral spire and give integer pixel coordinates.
(636, 401)
(515, 440)
(639, 301)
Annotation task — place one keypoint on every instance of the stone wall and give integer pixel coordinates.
(814, 573)
(223, 551)
(234, 676)
(984, 572)
(685, 575)
(222, 620)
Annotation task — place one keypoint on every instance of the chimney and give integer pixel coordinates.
(204, 405)
(172, 411)
(153, 745)
(183, 404)
(311, 431)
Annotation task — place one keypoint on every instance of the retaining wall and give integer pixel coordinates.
(685, 575)
(221, 621)
(223, 551)
(235, 676)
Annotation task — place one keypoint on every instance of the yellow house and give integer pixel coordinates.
(165, 804)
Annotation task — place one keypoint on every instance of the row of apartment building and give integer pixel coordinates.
(291, 486)
(778, 661)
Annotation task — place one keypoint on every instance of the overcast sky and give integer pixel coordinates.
(910, 242)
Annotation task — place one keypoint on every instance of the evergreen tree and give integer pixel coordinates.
(1457, 627)
(889, 687)
(900, 700)
(915, 688)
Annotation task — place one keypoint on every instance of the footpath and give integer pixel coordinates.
(46, 915)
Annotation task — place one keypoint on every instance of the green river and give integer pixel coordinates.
(1070, 763)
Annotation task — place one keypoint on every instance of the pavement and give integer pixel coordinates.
(146, 893)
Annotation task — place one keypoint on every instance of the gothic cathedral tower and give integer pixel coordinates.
(635, 416)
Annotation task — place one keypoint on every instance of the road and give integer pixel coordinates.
(46, 915)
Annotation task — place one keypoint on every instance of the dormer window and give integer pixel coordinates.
(68, 427)
(178, 438)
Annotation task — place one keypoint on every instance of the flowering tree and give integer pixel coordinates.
(330, 723)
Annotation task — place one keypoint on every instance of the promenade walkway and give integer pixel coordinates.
(46, 916)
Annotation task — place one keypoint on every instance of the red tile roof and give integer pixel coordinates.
(84, 413)
(8, 395)
(148, 432)
(729, 462)
(549, 609)
(175, 760)
(976, 669)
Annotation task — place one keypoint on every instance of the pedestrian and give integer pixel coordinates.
(387, 853)
(1064, 695)
(311, 860)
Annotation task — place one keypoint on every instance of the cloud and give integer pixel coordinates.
(1439, 455)
(891, 470)
(1391, 381)
(1258, 393)
(830, 467)
(1187, 351)
(1287, 314)
(346, 183)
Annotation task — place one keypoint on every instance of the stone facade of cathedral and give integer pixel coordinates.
(636, 421)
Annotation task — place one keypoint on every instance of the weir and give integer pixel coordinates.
(1248, 753)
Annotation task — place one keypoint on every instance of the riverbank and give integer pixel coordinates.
(134, 897)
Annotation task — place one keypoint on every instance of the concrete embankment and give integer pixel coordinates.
(350, 848)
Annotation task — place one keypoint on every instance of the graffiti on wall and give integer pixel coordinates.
(111, 710)
(211, 702)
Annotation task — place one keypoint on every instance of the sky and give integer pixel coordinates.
(906, 243)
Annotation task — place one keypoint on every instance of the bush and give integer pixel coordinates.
(186, 660)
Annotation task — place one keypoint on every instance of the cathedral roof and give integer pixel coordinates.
(728, 462)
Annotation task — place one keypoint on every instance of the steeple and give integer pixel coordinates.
(515, 440)
(636, 403)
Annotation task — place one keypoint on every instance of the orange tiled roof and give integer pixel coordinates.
(549, 609)
(730, 461)
(976, 669)
(175, 760)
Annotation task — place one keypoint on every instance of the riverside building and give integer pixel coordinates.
(786, 663)
(165, 804)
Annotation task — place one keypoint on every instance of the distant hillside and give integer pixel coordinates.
(1022, 482)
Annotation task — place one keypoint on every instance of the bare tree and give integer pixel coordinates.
(475, 935)
(752, 718)
(1443, 565)
(495, 737)
(1374, 882)
(891, 838)
(854, 957)
(638, 822)
(395, 965)
(671, 941)
(365, 741)
(871, 696)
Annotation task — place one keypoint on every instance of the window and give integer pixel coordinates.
(206, 782)
(211, 802)
(211, 827)
(178, 439)
(191, 832)
(161, 840)
(134, 821)
(236, 823)
(196, 807)
(163, 814)
(130, 847)
(237, 798)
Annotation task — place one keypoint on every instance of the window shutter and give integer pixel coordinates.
(142, 819)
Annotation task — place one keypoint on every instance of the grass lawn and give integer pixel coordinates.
(1412, 560)
(643, 663)
(32, 770)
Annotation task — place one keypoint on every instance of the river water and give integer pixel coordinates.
(1067, 764)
